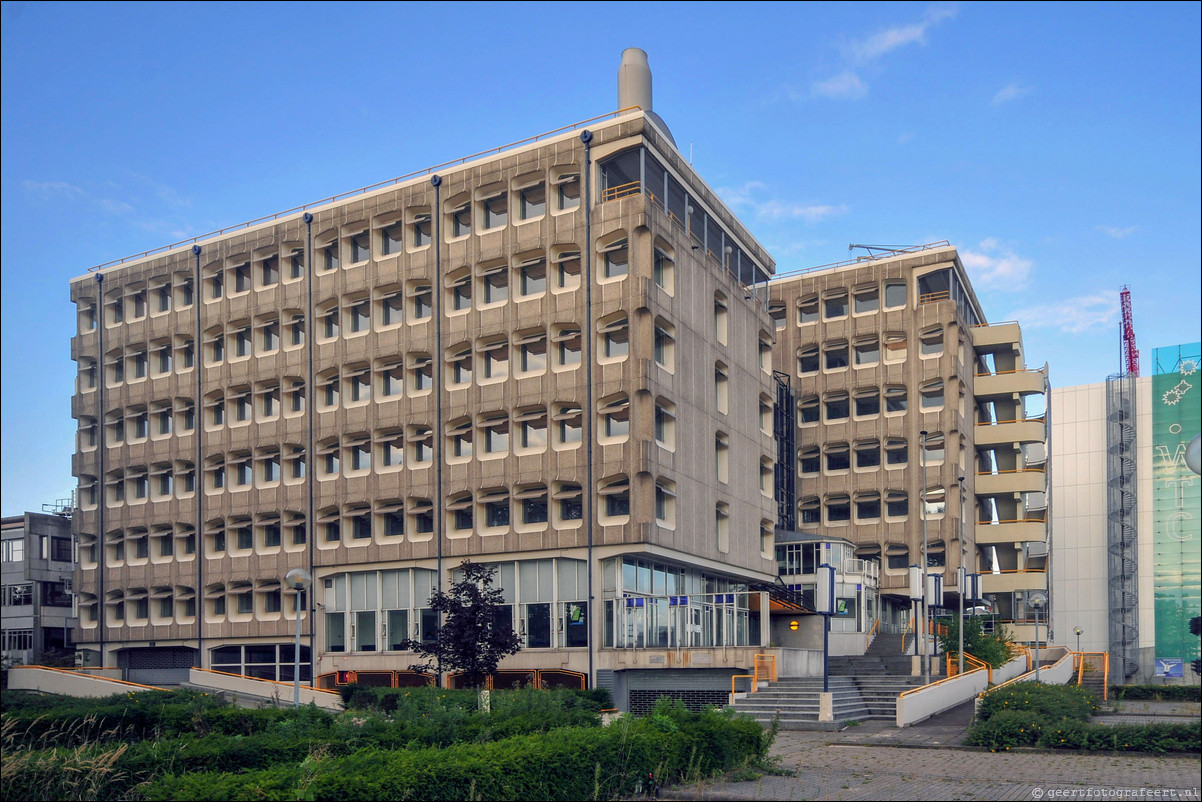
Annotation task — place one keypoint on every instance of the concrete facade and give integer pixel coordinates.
(36, 570)
(878, 351)
(553, 359)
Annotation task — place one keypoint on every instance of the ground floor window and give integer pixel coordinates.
(275, 661)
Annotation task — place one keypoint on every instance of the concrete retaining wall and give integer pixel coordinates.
(921, 704)
(69, 682)
(799, 663)
(264, 689)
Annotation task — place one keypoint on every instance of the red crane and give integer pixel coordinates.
(1130, 352)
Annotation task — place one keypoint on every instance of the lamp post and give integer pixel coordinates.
(1038, 599)
(916, 592)
(1077, 631)
(826, 606)
(926, 658)
(960, 580)
(299, 580)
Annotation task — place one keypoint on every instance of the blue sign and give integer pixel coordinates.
(1170, 667)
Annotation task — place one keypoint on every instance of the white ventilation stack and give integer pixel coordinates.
(634, 87)
(634, 80)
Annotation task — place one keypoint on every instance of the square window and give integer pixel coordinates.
(533, 202)
(495, 211)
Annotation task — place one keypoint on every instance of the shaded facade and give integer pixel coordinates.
(915, 418)
(36, 565)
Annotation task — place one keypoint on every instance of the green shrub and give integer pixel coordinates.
(569, 764)
(1054, 702)
(1165, 693)
(1007, 729)
(1123, 737)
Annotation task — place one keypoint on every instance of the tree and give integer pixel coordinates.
(476, 631)
(994, 648)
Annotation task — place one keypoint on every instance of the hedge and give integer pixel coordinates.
(567, 764)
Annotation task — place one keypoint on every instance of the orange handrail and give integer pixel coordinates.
(953, 665)
(734, 677)
(1033, 469)
(620, 191)
(932, 297)
(1005, 373)
(260, 679)
(769, 672)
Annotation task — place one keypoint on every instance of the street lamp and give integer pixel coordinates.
(825, 602)
(1038, 600)
(960, 580)
(926, 658)
(1077, 631)
(916, 593)
(299, 580)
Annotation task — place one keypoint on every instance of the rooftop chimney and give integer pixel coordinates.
(634, 87)
(634, 80)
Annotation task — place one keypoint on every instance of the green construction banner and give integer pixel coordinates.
(1177, 505)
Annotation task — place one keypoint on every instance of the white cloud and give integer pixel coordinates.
(1011, 91)
(997, 269)
(1072, 315)
(780, 210)
(847, 85)
(744, 198)
(1115, 232)
(890, 39)
(49, 190)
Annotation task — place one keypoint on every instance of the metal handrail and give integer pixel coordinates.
(1012, 521)
(261, 679)
(620, 191)
(1006, 372)
(83, 671)
(1035, 469)
(870, 258)
(977, 663)
(362, 190)
(934, 297)
(770, 673)
(1033, 419)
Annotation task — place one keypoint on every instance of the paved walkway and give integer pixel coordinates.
(876, 760)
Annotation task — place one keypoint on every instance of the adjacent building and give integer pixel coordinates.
(36, 564)
(1128, 565)
(916, 420)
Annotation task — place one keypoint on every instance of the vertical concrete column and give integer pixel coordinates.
(826, 706)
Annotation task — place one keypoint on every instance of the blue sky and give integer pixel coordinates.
(1057, 145)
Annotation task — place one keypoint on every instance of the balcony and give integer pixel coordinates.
(1025, 480)
(993, 433)
(1010, 581)
(1009, 383)
(990, 337)
(1018, 531)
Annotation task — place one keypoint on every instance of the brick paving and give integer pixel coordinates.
(877, 761)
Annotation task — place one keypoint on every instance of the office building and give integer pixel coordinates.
(915, 419)
(36, 564)
(555, 358)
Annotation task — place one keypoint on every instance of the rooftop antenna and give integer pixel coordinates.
(881, 248)
(1130, 352)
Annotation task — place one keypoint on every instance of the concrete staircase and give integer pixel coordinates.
(862, 687)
